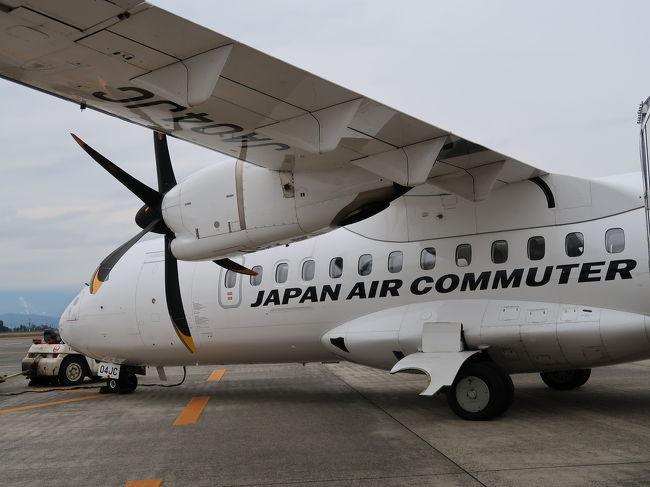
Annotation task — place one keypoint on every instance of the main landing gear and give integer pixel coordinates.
(564, 380)
(481, 391)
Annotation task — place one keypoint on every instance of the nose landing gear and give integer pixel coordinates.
(125, 384)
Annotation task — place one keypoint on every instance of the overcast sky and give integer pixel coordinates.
(554, 84)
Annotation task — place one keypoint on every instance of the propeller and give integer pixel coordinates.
(150, 219)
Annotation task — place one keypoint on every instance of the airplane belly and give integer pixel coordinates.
(545, 336)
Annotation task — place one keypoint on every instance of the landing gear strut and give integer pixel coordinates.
(565, 380)
(480, 391)
(126, 384)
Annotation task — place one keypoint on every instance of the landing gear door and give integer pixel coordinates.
(230, 286)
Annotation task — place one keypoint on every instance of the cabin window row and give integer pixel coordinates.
(574, 246)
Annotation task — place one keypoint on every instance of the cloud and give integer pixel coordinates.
(557, 91)
(24, 304)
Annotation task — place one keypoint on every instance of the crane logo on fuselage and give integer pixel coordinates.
(447, 283)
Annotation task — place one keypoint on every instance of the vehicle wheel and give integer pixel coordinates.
(565, 380)
(72, 371)
(479, 392)
(127, 383)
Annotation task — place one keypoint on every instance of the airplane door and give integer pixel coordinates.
(151, 307)
(230, 286)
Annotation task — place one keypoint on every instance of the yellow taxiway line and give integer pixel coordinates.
(144, 483)
(192, 412)
(34, 406)
(216, 375)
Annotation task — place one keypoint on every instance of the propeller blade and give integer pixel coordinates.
(148, 195)
(104, 269)
(166, 178)
(174, 300)
(235, 267)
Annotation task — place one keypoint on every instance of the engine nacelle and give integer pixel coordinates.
(234, 207)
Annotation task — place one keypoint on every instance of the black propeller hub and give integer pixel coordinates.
(148, 214)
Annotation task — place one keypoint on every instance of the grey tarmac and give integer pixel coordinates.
(322, 425)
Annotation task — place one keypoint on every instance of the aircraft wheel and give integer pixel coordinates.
(112, 387)
(72, 372)
(127, 383)
(480, 392)
(565, 380)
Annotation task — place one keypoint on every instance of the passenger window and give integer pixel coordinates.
(428, 258)
(395, 261)
(257, 280)
(365, 265)
(499, 251)
(308, 270)
(336, 267)
(536, 248)
(574, 244)
(463, 255)
(281, 273)
(615, 240)
(230, 279)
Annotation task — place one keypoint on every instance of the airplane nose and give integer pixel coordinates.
(69, 316)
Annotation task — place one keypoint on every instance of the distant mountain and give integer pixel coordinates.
(13, 320)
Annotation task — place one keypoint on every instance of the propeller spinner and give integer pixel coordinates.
(150, 219)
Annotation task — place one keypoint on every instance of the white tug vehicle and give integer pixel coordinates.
(50, 359)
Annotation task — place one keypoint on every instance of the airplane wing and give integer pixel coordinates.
(148, 66)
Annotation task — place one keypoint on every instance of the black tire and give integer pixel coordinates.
(565, 380)
(479, 392)
(128, 382)
(507, 380)
(112, 386)
(72, 371)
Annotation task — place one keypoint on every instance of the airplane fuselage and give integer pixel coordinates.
(538, 287)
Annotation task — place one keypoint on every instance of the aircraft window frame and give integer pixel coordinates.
(533, 254)
(336, 267)
(365, 268)
(395, 261)
(230, 279)
(257, 280)
(503, 257)
(285, 267)
(463, 260)
(429, 255)
(612, 247)
(304, 268)
(574, 244)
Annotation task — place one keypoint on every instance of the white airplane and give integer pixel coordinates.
(342, 230)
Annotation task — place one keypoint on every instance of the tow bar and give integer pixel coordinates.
(5, 378)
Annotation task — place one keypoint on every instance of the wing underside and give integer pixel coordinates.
(145, 65)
